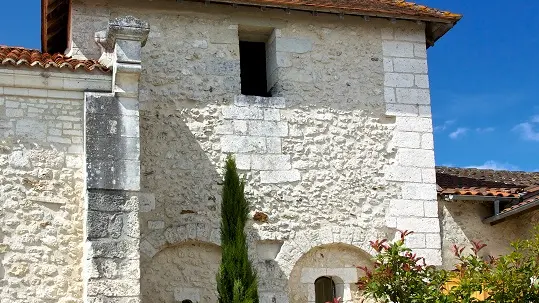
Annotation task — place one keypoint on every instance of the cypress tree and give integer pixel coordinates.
(236, 280)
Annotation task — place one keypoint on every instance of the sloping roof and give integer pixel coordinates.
(18, 56)
(483, 182)
(55, 15)
(521, 187)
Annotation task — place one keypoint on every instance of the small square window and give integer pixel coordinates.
(253, 68)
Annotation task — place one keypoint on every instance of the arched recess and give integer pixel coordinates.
(306, 240)
(180, 264)
(181, 273)
(156, 240)
(337, 261)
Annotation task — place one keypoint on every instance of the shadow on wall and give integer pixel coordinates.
(462, 223)
(180, 251)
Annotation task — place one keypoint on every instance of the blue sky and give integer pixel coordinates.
(484, 78)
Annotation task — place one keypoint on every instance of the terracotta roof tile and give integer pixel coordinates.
(452, 178)
(483, 191)
(384, 8)
(523, 186)
(18, 56)
(527, 200)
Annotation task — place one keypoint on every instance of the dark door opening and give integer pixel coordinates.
(253, 69)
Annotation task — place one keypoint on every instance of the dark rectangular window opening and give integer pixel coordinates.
(253, 69)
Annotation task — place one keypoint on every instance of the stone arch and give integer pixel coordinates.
(182, 272)
(304, 241)
(336, 260)
(157, 240)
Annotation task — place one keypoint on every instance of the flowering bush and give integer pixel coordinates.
(400, 276)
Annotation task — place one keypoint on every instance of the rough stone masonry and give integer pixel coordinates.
(341, 154)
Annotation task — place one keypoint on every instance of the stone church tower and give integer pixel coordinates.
(325, 106)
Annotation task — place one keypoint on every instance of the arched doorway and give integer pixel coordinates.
(327, 271)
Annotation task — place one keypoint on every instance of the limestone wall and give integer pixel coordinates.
(461, 223)
(41, 184)
(321, 157)
(41, 193)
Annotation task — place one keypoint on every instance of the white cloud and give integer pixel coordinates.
(444, 126)
(484, 130)
(495, 165)
(461, 131)
(529, 130)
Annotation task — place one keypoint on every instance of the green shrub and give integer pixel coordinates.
(236, 280)
(400, 276)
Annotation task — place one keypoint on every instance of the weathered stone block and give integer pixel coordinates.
(406, 139)
(415, 157)
(274, 145)
(31, 129)
(114, 288)
(270, 162)
(112, 148)
(272, 114)
(415, 240)
(428, 175)
(432, 256)
(243, 112)
(112, 125)
(111, 201)
(399, 80)
(413, 96)
(243, 144)
(279, 176)
(413, 124)
(408, 208)
(146, 202)
(420, 225)
(389, 95)
(268, 128)
(388, 65)
(419, 191)
(398, 49)
(431, 209)
(433, 240)
(113, 174)
(408, 65)
(269, 102)
(416, 34)
(422, 81)
(103, 225)
(106, 248)
(427, 141)
(109, 104)
(403, 173)
(420, 50)
(294, 45)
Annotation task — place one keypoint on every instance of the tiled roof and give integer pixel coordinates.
(382, 8)
(18, 56)
(521, 187)
(527, 201)
(483, 182)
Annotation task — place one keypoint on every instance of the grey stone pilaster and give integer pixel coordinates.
(112, 154)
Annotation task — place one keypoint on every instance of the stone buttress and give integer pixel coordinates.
(112, 149)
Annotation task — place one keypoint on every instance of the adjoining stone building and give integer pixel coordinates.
(111, 169)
